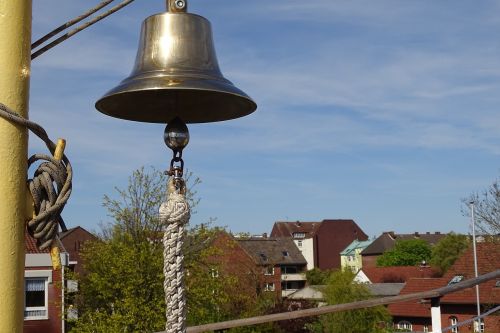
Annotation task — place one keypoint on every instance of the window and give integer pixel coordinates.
(263, 257)
(289, 270)
(479, 329)
(453, 322)
(299, 235)
(299, 243)
(456, 279)
(404, 325)
(35, 302)
(269, 270)
(214, 273)
(426, 328)
(285, 253)
(269, 286)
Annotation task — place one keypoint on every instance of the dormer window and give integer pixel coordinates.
(263, 257)
(456, 279)
(285, 254)
(299, 235)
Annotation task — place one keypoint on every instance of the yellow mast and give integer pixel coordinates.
(15, 34)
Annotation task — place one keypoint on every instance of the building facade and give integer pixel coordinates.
(350, 257)
(44, 290)
(320, 242)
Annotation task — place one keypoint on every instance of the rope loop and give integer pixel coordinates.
(48, 200)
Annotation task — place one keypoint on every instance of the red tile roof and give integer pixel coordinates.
(415, 308)
(488, 255)
(397, 273)
(30, 244)
(287, 229)
(488, 260)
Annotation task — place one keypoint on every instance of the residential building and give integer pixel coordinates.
(281, 263)
(387, 240)
(350, 257)
(73, 240)
(320, 242)
(231, 259)
(459, 306)
(44, 300)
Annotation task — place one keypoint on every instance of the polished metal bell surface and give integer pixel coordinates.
(176, 74)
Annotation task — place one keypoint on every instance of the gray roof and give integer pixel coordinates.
(273, 251)
(309, 292)
(385, 289)
(376, 289)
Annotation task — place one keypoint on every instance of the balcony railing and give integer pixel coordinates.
(293, 277)
(286, 293)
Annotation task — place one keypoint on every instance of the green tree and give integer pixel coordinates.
(409, 252)
(341, 288)
(447, 250)
(316, 276)
(123, 289)
(486, 208)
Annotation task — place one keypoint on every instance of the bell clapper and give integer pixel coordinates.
(176, 137)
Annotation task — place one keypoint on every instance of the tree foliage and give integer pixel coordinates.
(340, 289)
(316, 276)
(486, 208)
(135, 211)
(123, 288)
(447, 250)
(409, 252)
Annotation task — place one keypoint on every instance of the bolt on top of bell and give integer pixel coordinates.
(176, 74)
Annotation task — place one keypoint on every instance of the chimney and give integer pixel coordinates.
(264, 235)
(416, 234)
(438, 232)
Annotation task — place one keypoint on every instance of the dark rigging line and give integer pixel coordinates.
(69, 24)
(79, 28)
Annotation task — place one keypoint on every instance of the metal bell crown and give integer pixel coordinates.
(176, 74)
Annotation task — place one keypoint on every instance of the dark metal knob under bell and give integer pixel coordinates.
(176, 135)
(176, 74)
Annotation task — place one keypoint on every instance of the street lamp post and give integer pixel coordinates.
(473, 223)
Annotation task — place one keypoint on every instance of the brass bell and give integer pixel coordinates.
(176, 74)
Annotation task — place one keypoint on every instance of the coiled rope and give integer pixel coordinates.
(48, 200)
(175, 214)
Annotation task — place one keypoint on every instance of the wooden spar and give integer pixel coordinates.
(435, 293)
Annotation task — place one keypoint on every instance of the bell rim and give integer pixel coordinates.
(113, 97)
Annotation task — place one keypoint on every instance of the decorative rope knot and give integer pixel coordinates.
(48, 201)
(175, 214)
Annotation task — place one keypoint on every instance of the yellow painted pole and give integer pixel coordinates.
(15, 37)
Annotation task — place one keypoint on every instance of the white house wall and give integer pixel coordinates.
(307, 250)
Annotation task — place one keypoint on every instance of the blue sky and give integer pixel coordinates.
(385, 112)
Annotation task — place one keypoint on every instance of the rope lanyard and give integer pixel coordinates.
(175, 214)
(48, 200)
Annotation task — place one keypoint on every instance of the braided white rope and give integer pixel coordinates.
(175, 214)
